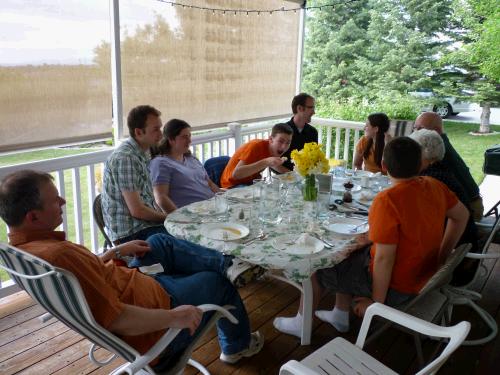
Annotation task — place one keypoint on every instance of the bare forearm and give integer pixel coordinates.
(382, 271)
(281, 169)
(136, 320)
(458, 216)
(149, 214)
(165, 204)
(242, 171)
(452, 234)
(213, 186)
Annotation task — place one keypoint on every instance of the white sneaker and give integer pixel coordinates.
(256, 344)
(240, 273)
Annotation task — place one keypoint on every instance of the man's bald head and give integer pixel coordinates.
(430, 121)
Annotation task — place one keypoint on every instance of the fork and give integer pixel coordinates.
(355, 229)
(328, 245)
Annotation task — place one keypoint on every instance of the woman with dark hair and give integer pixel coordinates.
(369, 150)
(178, 178)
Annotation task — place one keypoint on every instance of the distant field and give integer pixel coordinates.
(53, 102)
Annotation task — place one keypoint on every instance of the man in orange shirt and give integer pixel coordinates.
(253, 157)
(132, 305)
(406, 229)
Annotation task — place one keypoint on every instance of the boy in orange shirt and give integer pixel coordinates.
(255, 156)
(406, 230)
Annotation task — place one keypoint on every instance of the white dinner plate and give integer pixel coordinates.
(288, 244)
(215, 231)
(203, 208)
(345, 227)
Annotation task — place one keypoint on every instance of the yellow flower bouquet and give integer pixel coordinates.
(308, 161)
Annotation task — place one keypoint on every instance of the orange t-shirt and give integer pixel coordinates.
(368, 163)
(411, 214)
(107, 287)
(250, 152)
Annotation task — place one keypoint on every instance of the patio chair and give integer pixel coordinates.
(430, 304)
(339, 356)
(463, 295)
(98, 218)
(215, 166)
(59, 292)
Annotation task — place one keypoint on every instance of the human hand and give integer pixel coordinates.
(359, 242)
(361, 304)
(135, 247)
(185, 316)
(275, 161)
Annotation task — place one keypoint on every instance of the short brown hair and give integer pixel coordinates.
(281, 128)
(20, 194)
(300, 99)
(402, 157)
(137, 117)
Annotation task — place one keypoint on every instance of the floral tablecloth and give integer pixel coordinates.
(298, 217)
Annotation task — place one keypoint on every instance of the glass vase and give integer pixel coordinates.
(310, 188)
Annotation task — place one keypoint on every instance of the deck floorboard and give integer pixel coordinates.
(28, 346)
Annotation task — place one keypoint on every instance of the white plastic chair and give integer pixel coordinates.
(59, 292)
(339, 356)
(465, 296)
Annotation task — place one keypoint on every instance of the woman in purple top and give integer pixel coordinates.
(178, 177)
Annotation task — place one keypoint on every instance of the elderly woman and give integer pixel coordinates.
(432, 154)
(178, 177)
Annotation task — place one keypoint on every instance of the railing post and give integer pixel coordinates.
(235, 129)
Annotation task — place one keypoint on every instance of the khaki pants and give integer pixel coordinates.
(476, 205)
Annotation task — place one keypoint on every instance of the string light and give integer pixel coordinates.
(257, 11)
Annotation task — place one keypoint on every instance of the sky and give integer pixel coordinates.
(66, 31)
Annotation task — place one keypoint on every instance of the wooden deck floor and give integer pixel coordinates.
(28, 346)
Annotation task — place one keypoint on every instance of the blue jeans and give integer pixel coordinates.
(195, 275)
(144, 234)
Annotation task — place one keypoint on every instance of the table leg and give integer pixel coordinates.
(307, 310)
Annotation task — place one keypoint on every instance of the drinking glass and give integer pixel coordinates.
(322, 206)
(269, 207)
(256, 188)
(221, 206)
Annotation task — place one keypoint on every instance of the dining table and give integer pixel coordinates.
(302, 239)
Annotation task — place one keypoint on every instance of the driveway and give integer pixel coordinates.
(475, 116)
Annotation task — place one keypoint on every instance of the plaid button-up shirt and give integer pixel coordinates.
(126, 170)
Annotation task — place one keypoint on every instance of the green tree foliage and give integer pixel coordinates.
(473, 63)
(374, 50)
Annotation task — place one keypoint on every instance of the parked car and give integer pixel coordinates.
(444, 107)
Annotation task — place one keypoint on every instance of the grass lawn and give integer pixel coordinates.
(471, 147)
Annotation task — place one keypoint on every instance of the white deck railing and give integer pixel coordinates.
(78, 176)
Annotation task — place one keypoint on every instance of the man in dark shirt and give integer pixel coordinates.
(453, 161)
(303, 110)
